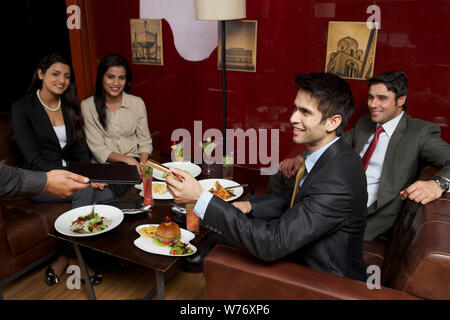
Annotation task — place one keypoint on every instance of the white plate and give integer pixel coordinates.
(192, 168)
(147, 244)
(209, 183)
(164, 196)
(64, 221)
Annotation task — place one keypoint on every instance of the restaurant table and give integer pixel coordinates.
(119, 242)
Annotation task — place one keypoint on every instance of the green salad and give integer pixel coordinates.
(179, 247)
(176, 247)
(90, 223)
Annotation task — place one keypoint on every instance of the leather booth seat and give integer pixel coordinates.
(25, 224)
(414, 262)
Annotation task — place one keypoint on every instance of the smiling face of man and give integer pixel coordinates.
(308, 127)
(383, 106)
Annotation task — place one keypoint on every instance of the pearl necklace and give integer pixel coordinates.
(46, 106)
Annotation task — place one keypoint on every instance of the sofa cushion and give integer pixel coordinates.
(373, 252)
(28, 223)
(418, 259)
(234, 274)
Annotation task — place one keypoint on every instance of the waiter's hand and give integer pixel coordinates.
(187, 191)
(62, 183)
(290, 166)
(422, 191)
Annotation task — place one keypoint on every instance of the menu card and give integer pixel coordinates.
(114, 173)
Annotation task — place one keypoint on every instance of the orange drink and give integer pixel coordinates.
(192, 220)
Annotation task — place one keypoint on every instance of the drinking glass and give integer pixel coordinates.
(148, 195)
(227, 167)
(208, 164)
(177, 153)
(192, 220)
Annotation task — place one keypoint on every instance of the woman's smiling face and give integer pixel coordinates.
(56, 79)
(114, 81)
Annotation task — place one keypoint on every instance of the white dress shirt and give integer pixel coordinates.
(62, 138)
(373, 172)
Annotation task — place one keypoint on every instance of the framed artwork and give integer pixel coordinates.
(146, 41)
(240, 45)
(351, 49)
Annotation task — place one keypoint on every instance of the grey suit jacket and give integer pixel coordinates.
(414, 144)
(16, 181)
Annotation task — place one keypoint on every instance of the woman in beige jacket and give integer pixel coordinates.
(116, 124)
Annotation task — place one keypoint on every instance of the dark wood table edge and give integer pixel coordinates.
(160, 279)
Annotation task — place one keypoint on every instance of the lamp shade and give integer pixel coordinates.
(220, 9)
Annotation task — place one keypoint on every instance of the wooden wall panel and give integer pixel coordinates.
(82, 43)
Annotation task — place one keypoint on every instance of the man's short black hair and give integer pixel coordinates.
(395, 81)
(332, 94)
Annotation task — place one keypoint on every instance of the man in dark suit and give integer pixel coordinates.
(57, 183)
(404, 146)
(323, 228)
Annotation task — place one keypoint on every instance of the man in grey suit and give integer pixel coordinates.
(402, 146)
(57, 183)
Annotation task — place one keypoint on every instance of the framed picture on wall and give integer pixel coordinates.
(240, 45)
(351, 49)
(146, 41)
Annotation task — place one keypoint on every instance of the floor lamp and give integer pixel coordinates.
(221, 10)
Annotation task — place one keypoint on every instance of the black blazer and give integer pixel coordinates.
(37, 140)
(324, 229)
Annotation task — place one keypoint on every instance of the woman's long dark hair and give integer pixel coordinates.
(110, 60)
(69, 98)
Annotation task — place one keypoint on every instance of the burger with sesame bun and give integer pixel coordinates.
(167, 232)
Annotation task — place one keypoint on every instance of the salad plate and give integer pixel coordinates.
(187, 166)
(64, 222)
(147, 244)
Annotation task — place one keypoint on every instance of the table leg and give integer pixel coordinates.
(160, 285)
(84, 272)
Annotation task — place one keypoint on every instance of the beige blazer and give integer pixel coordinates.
(127, 129)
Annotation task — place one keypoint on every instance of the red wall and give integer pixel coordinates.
(414, 37)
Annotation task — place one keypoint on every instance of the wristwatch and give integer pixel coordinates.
(442, 183)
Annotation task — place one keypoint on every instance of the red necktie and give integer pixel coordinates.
(371, 148)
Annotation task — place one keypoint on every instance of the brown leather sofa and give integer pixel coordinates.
(414, 264)
(24, 224)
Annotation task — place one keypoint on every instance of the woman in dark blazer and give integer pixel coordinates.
(48, 128)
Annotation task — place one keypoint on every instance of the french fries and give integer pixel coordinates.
(148, 231)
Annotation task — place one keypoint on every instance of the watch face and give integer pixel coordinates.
(443, 184)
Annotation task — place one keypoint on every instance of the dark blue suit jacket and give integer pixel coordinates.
(325, 227)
